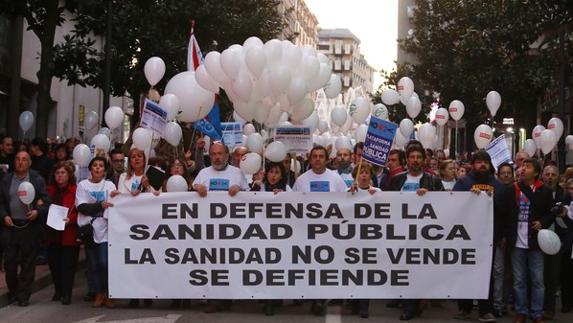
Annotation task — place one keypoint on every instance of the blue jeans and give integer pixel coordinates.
(498, 278)
(97, 266)
(527, 262)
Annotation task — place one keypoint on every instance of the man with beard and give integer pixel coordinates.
(220, 176)
(344, 165)
(481, 179)
(417, 181)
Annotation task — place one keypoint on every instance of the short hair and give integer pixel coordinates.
(536, 165)
(480, 155)
(443, 164)
(555, 168)
(116, 151)
(359, 145)
(218, 142)
(364, 167)
(401, 156)
(96, 158)
(414, 148)
(131, 151)
(319, 147)
(41, 143)
(282, 170)
(506, 164)
(68, 167)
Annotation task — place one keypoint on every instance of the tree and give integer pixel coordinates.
(464, 49)
(146, 28)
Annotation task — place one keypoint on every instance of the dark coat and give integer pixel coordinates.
(428, 181)
(41, 194)
(541, 204)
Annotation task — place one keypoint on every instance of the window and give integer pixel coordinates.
(337, 65)
(347, 49)
(347, 65)
(324, 47)
(338, 47)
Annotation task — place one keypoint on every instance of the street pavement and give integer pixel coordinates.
(43, 310)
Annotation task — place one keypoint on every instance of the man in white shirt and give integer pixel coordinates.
(220, 176)
(319, 178)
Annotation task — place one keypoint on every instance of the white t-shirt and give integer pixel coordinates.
(125, 185)
(412, 183)
(523, 222)
(347, 178)
(88, 192)
(221, 180)
(366, 190)
(448, 186)
(329, 181)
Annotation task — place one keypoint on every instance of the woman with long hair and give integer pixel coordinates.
(63, 248)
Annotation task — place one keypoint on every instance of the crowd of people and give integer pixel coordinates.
(529, 195)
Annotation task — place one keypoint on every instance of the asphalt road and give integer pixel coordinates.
(43, 310)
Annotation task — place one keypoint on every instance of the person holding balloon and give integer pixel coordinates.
(92, 199)
(530, 204)
(24, 204)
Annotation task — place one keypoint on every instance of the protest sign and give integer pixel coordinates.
(153, 117)
(300, 245)
(296, 139)
(232, 133)
(378, 140)
(499, 152)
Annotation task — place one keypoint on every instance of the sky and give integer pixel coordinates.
(374, 22)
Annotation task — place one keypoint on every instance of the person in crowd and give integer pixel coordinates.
(238, 153)
(23, 227)
(6, 154)
(433, 166)
(518, 162)
(440, 155)
(63, 248)
(71, 143)
(481, 179)
(92, 198)
(462, 171)
(552, 265)
(61, 153)
(344, 165)
(567, 260)
(117, 165)
(447, 174)
(395, 165)
(40, 161)
(530, 211)
(415, 180)
(290, 174)
(178, 167)
(319, 179)
(357, 153)
(220, 176)
(505, 174)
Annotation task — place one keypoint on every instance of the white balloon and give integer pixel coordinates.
(213, 66)
(279, 78)
(154, 70)
(359, 109)
(321, 79)
(303, 110)
(231, 61)
(255, 143)
(549, 241)
(310, 66)
(390, 97)
(556, 125)
(530, 147)
(333, 87)
(243, 86)
(283, 117)
(297, 89)
(26, 192)
(244, 110)
(292, 54)
(547, 141)
(170, 103)
(483, 136)
(250, 163)
(173, 133)
(380, 111)
(426, 134)
(295, 166)
(274, 115)
(338, 116)
(256, 60)
(91, 120)
(493, 101)
(26, 120)
(342, 142)
(405, 87)
(406, 127)
(569, 142)
(113, 117)
(142, 138)
(413, 106)
(105, 131)
(276, 151)
(205, 80)
(101, 141)
(248, 129)
(400, 140)
(322, 126)
(177, 183)
(253, 41)
(536, 135)
(196, 102)
(456, 110)
(442, 116)
(361, 131)
(82, 155)
(273, 50)
(261, 113)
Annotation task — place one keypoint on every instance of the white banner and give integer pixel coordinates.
(300, 245)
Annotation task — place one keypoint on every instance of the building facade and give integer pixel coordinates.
(405, 28)
(343, 49)
(301, 24)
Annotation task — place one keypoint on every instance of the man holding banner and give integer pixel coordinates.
(420, 182)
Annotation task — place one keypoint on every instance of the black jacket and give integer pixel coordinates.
(41, 194)
(541, 203)
(428, 181)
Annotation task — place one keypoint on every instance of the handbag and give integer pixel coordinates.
(85, 233)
